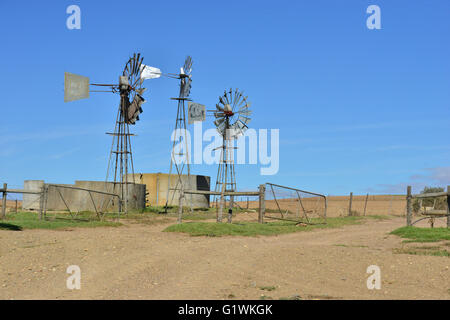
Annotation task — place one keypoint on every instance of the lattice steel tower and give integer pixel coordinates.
(232, 117)
(180, 135)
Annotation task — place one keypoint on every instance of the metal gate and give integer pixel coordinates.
(291, 204)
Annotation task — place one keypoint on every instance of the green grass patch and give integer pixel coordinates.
(294, 297)
(418, 241)
(213, 229)
(268, 288)
(378, 217)
(201, 215)
(350, 246)
(423, 234)
(30, 220)
(424, 252)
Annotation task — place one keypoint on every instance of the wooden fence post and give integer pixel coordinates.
(221, 204)
(350, 204)
(230, 210)
(448, 206)
(41, 202)
(4, 201)
(16, 205)
(44, 207)
(262, 203)
(365, 204)
(408, 206)
(180, 206)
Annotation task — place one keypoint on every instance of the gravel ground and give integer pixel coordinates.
(140, 262)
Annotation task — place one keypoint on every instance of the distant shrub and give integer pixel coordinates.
(438, 203)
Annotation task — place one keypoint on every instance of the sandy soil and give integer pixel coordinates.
(140, 262)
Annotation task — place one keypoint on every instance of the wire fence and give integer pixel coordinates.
(337, 206)
(51, 200)
(290, 204)
(365, 205)
(277, 203)
(66, 198)
(13, 203)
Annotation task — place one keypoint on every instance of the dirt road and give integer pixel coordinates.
(141, 262)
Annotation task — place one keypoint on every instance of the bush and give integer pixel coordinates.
(440, 204)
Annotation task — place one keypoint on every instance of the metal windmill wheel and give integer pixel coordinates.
(186, 78)
(132, 72)
(232, 112)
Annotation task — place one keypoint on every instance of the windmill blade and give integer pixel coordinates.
(219, 121)
(218, 107)
(137, 62)
(243, 119)
(139, 70)
(221, 128)
(231, 97)
(244, 100)
(185, 76)
(141, 91)
(245, 107)
(242, 125)
(226, 97)
(235, 131)
(133, 60)
(188, 65)
(245, 113)
(185, 89)
(238, 101)
(222, 100)
(126, 71)
(219, 115)
(134, 109)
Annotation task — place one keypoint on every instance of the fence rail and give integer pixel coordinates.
(259, 194)
(431, 215)
(43, 198)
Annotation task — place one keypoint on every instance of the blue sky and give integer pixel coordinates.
(358, 110)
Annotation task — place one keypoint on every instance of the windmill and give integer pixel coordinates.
(180, 161)
(130, 89)
(232, 116)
